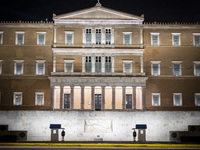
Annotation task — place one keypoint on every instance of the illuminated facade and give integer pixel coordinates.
(99, 59)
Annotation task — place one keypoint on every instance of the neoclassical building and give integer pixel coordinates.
(99, 59)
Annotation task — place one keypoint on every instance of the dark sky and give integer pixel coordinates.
(154, 10)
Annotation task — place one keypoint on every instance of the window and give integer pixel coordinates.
(1, 66)
(1, 37)
(98, 36)
(98, 64)
(108, 64)
(127, 38)
(196, 39)
(19, 38)
(18, 67)
(88, 64)
(197, 68)
(197, 99)
(155, 39)
(127, 66)
(177, 68)
(40, 67)
(128, 101)
(108, 36)
(69, 37)
(39, 98)
(176, 39)
(69, 65)
(156, 99)
(88, 36)
(41, 38)
(177, 99)
(155, 68)
(17, 98)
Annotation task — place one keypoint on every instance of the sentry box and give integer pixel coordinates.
(54, 132)
(141, 132)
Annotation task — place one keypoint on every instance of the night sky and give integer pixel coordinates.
(154, 10)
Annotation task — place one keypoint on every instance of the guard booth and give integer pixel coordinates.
(54, 132)
(141, 132)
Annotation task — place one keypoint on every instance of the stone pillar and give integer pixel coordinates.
(141, 37)
(84, 40)
(72, 96)
(141, 64)
(143, 98)
(83, 63)
(52, 97)
(112, 36)
(123, 97)
(93, 63)
(54, 41)
(113, 97)
(103, 64)
(134, 98)
(93, 98)
(103, 36)
(82, 97)
(103, 98)
(113, 64)
(61, 97)
(93, 36)
(54, 62)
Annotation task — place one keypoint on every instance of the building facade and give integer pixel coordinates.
(100, 60)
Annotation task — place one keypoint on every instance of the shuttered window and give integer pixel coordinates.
(176, 40)
(108, 64)
(155, 69)
(197, 40)
(108, 36)
(127, 67)
(39, 99)
(98, 36)
(69, 39)
(177, 100)
(197, 98)
(41, 39)
(155, 40)
(176, 69)
(98, 64)
(20, 39)
(88, 36)
(127, 39)
(88, 64)
(68, 67)
(197, 69)
(17, 98)
(156, 99)
(18, 68)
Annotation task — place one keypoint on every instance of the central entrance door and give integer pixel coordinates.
(128, 101)
(97, 101)
(66, 101)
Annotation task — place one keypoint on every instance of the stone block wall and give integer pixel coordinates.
(110, 125)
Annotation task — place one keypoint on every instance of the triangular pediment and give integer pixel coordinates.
(96, 13)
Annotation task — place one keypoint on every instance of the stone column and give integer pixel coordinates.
(113, 97)
(93, 63)
(72, 97)
(113, 64)
(143, 98)
(123, 97)
(93, 98)
(54, 41)
(52, 97)
(103, 36)
(141, 37)
(61, 97)
(93, 36)
(103, 64)
(134, 98)
(84, 40)
(141, 63)
(54, 62)
(83, 63)
(82, 97)
(103, 98)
